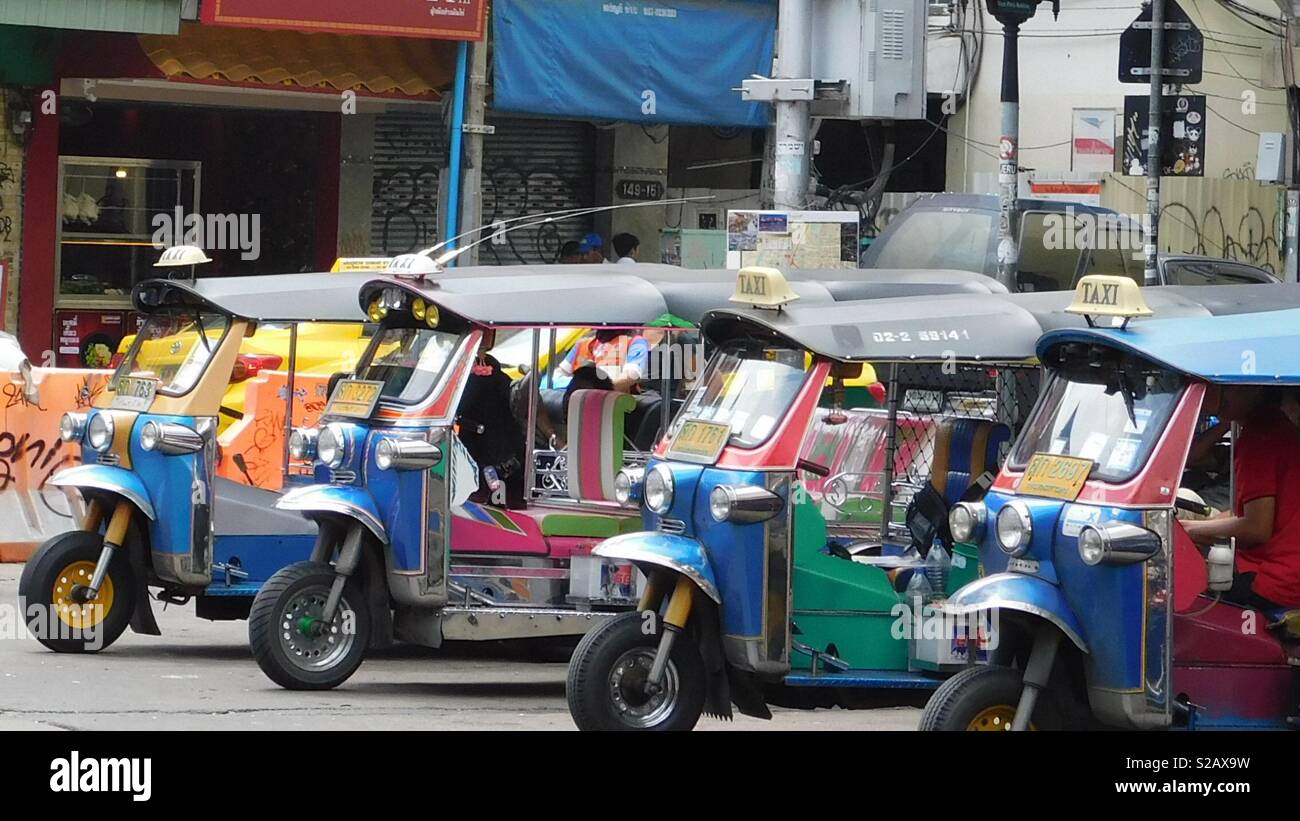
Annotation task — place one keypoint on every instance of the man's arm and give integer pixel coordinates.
(1254, 527)
(1205, 442)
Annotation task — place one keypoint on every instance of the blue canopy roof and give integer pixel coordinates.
(1260, 348)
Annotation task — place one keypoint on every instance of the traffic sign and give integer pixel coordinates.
(1184, 48)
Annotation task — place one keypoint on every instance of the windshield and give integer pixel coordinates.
(750, 390)
(408, 361)
(173, 348)
(937, 239)
(1116, 427)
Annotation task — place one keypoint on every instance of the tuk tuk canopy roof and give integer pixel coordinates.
(1260, 349)
(321, 297)
(973, 327)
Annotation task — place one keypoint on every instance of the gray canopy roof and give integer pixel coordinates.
(322, 297)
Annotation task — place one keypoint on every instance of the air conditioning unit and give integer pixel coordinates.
(868, 58)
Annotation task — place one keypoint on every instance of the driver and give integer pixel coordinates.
(1266, 509)
(620, 356)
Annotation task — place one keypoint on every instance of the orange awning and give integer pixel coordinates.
(387, 66)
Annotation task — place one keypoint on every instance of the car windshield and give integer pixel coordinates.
(1114, 426)
(749, 389)
(408, 361)
(937, 239)
(173, 348)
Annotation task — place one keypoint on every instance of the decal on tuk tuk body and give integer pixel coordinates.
(354, 398)
(699, 442)
(1055, 477)
(134, 393)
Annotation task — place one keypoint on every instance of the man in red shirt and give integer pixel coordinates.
(1266, 510)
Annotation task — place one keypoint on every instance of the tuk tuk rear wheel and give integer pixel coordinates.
(61, 623)
(292, 644)
(984, 699)
(605, 686)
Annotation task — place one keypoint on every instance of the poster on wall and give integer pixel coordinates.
(438, 19)
(792, 239)
(1092, 145)
(1182, 135)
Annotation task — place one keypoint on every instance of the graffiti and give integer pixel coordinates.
(88, 391)
(511, 191)
(1246, 171)
(14, 396)
(6, 177)
(1254, 239)
(20, 452)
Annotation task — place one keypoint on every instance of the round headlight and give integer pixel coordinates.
(385, 454)
(1092, 547)
(72, 426)
(1014, 528)
(622, 487)
(966, 522)
(418, 307)
(332, 446)
(99, 433)
(375, 312)
(302, 444)
(150, 434)
(720, 503)
(659, 489)
(431, 315)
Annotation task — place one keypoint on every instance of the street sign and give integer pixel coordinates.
(643, 190)
(1184, 48)
(1015, 12)
(1182, 135)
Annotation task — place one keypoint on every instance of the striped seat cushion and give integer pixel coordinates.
(596, 421)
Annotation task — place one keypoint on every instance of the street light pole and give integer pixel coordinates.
(1009, 158)
(1154, 114)
(790, 171)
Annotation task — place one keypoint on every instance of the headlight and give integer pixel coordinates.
(659, 489)
(1117, 543)
(628, 483)
(99, 433)
(406, 454)
(72, 426)
(966, 522)
(1015, 528)
(169, 437)
(332, 446)
(743, 504)
(302, 444)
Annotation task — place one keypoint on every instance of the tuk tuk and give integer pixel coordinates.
(158, 514)
(1109, 613)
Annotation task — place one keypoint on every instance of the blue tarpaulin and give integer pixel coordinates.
(674, 61)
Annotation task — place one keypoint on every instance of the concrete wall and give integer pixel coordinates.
(636, 153)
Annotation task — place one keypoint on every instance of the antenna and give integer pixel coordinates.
(544, 218)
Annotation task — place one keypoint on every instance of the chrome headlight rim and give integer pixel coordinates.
(659, 489)
(743, 504)
(967, 521)
(629, 483)
(1116, 543)
(302, 444)
(72, 426)
(332, 446)
(101, 438)
(1024, 531)
(170, 438)
(393, 453)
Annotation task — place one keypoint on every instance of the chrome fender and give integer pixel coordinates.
(1025, 594)
(354, 502)
(108, 478)
(677, 553)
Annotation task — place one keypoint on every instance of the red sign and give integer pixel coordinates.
(439, 19)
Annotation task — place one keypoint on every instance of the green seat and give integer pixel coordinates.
(586, 525)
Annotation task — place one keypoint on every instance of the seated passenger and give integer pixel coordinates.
(490, 431)
(622, 357)
(1266, 511)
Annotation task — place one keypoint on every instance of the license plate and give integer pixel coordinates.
(134, 393)
(1055, 477)
(700, 442)
(354, 398)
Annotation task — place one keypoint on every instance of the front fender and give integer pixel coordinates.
(1025, 594)
(678, 553)
(108, 478)
(349, 501)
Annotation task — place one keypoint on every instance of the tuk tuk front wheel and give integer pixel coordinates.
(291, 641)
(54, 616)
(984, 699)
(607, 683)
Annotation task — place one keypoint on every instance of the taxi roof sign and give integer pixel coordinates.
(179, 255)
(343, 264)
(413, 266)
(1106, 295)
(762, 288)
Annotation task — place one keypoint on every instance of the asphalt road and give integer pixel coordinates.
(199, 676)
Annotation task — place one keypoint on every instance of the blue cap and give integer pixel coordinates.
(591, 242)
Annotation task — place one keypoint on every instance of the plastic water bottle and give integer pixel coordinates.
(493, 480)
(918, 591)
(937, 564)
(1218, 567)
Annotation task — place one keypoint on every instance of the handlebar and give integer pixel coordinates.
(813, 468)
(1193, 507)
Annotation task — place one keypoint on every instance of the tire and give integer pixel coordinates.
(619, 647)
(290, 656)
(47, 580)
(985, 698)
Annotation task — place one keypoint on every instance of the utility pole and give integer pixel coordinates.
(790, 171)
(1154, 113)
(475, 132)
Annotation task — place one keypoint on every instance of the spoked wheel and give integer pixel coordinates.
(608, 685)
(290, 639)
(984, 699)
(52, 587)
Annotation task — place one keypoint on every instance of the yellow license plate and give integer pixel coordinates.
(700, 442)
(134, 393)
(355, 398)
(1055, 477)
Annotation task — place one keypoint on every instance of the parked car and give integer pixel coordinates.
(14, 361)
(960, 231)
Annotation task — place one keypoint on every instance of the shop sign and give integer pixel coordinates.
(438, 19)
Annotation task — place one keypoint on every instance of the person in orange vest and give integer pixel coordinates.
(621, 356)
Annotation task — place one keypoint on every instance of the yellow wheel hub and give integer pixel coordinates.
(75, 615)
(994, 719)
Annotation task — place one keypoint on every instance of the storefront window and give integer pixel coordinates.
(107, 229)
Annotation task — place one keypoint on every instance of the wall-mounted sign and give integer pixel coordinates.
(1182, 135)
(1092, 145)
(644, 190)
(438, 19)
